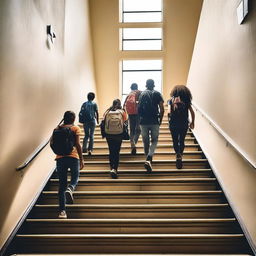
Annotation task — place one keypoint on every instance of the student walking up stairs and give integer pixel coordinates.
(170, 211)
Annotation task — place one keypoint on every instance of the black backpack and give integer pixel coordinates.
(86, 113)
(145, 106)
(62, 140)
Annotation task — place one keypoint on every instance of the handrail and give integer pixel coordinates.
(33, 156)
(225, 136)
(35, 153)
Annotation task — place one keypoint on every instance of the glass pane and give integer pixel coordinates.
(142, 45)
(142, 5)
(142, 17)
(142, 64)
(140, 78)
(142, 33)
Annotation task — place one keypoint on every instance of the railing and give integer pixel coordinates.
(33, 156)
(225, 136)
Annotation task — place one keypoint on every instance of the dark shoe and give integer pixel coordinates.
(148, 166)
(113, 174)
(134, 151)
(89, 153)
(84, 150)
(69, 196)
(179, 164)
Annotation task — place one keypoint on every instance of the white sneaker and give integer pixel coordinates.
(148, 166)
(62, 215)
(113, 174)
(69, 196)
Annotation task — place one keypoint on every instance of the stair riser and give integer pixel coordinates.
(143, 175)
(142, 157)
(159, 149)
(112, 228)
(108, 199)
(157, 245)
(144, 187)
(189, 140)
(106, 213)
(139, 165)
(146, 176)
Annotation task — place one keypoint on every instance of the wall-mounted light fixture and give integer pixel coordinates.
(242, 10)
(50, 36)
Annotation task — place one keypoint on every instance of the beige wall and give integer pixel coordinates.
(37, 85)
(179, 26)
(222, 79)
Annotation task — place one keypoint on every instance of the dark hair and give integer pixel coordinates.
(69, 117)
(150, 84)
(91, 96)
(183, 92)
(115, 105)
(134, 86)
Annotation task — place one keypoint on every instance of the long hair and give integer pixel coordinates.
(183, 92)
(115, 105)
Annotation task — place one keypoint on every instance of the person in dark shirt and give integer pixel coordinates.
(151, 111)
(178, 107)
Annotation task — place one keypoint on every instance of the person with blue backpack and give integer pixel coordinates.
(178, 107)
(87, 116)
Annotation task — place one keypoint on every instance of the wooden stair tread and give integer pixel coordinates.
(126, 206)
(142, 180)
(118, 236)
(138, 192)
(140, 221)
(153, 162)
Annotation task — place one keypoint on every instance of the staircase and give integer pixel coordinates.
(169, 211)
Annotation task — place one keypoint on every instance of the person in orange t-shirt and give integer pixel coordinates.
(73, 161)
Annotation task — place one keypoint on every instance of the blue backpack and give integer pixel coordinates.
(87, 112)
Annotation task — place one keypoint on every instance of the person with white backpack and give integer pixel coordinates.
(114, 118)
(131, 107)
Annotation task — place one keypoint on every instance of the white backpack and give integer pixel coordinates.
(114, 122)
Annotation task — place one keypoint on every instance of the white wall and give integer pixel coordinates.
(38, 85)
(222, 79)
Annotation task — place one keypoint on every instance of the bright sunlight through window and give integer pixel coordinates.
(142, 39)
(138, 71)
(142, 11)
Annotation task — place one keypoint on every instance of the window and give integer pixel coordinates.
(138, 71)
(142, 11)
(142, 39)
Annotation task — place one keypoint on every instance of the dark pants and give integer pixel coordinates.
(89, 128)
(114, 145)
(178, 137)
(134, 129)
(63, 164)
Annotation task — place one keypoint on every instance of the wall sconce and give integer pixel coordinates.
(242, 10)
(50, 36)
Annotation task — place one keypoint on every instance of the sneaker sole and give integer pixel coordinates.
(148, 168)
(69, 197)
(179, 164)
(113, 175)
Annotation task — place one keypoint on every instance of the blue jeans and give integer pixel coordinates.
(149, 134)
(63, 164)
(134, 129)
(88, 135)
